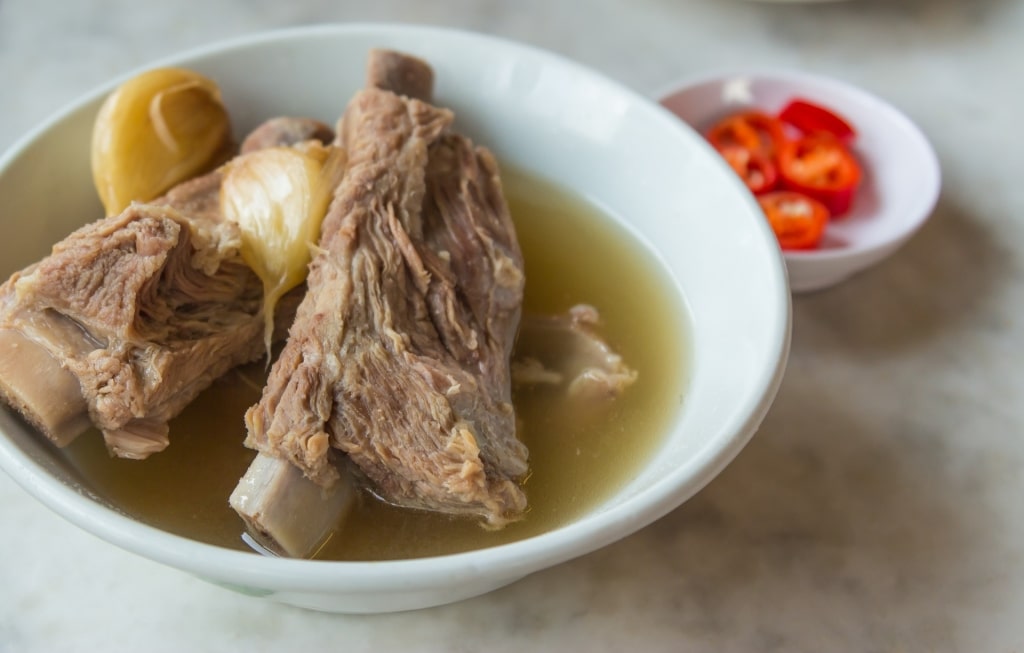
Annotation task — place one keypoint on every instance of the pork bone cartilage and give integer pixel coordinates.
(285, 512)
(34, 383)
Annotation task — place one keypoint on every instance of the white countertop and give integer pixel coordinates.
(878, 508)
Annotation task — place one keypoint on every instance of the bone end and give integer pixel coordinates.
(48, 396)
(286, 512)
(401, 74)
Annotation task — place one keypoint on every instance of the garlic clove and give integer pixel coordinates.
(154, 131)
(278, 197)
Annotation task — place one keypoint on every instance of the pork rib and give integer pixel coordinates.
(398, 357)
(129, 318)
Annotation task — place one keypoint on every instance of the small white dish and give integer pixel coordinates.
(901, 172)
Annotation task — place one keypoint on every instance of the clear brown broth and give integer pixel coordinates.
(579, 454)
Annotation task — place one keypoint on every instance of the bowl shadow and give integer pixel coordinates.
(938, 279)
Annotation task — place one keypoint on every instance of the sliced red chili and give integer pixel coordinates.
(820, 167)
(757, 171)
(811, 118)
(752, 130)
(797, 220)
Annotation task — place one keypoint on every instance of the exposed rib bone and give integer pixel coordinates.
(34, 383)
(401, 74)
(286, 512)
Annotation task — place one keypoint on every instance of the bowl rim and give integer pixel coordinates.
(507, 561)
(923, 204)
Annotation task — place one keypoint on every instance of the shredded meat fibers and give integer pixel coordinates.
(399, 354)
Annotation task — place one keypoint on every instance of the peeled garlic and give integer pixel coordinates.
(278, 197)
(155, 131)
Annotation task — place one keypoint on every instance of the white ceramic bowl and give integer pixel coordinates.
(539, 112)
(901, 172)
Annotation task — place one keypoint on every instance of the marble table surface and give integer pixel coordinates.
(877, 509)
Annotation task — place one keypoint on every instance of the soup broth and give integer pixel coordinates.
(580, 452)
